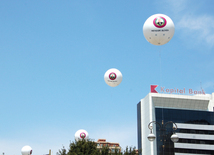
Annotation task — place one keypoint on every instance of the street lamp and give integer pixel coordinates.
(151, 137)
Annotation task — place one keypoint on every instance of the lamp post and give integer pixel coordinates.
(151, 137)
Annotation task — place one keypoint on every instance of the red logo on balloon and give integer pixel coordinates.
(159, 22)
(112, 76)
(82, 135)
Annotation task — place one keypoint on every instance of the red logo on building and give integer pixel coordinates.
(153, 88)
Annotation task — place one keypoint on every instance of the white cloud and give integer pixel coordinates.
(194, 26)
(177, 6)
(208, 85)
(201, 28)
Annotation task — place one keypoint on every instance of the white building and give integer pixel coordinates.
(193, 115)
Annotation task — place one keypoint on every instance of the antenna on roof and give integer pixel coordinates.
(201, 85)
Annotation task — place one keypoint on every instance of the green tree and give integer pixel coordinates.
(130, 151)
(90, 148)
(117, 152)
(104, 150)
(80, 148)
(62, 151)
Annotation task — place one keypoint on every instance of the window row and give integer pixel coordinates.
(196, 141)
(207, 132)
(194, 151)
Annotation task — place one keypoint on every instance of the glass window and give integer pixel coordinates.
(182, 116)
(113, 150)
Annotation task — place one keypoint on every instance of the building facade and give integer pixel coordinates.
(193, 115)
(113, 147)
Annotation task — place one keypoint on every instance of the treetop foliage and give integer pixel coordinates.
(90, 148)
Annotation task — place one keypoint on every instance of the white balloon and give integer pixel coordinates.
(26, 150)
(158, 29)
(81, 134)
(113, 77)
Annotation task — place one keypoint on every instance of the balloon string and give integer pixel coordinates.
(160, 68)
(161, 78)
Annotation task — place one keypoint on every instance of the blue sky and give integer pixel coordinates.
(54, 54)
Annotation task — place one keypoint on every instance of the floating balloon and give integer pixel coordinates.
(81, 134)
(26, 150)
(113, 77)
(158, 29)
